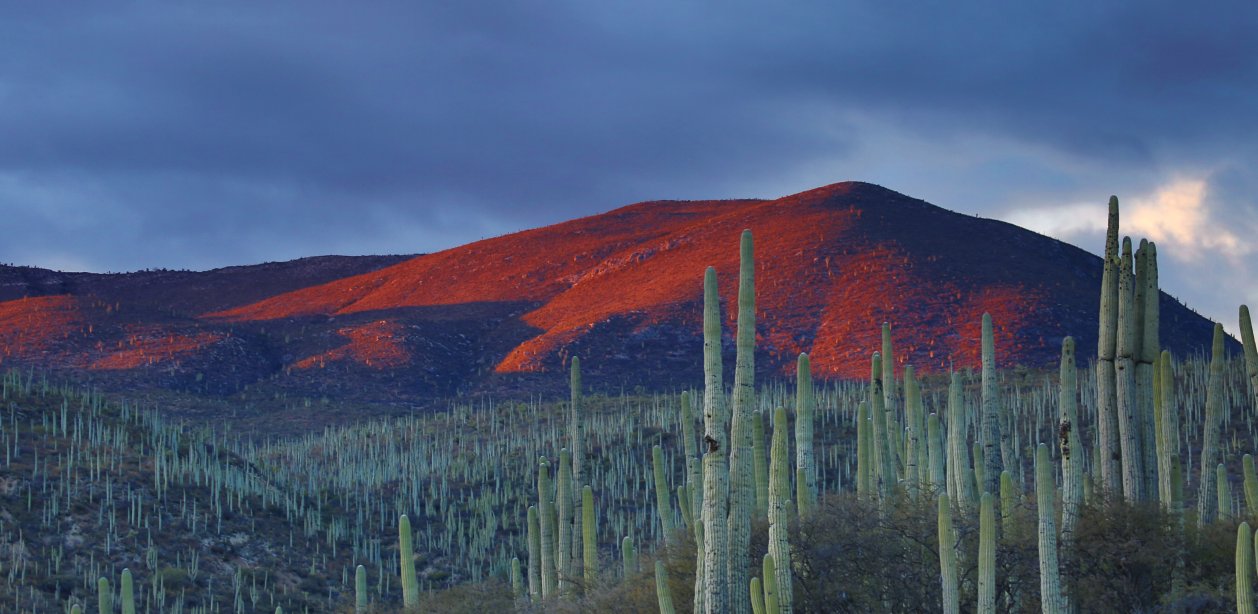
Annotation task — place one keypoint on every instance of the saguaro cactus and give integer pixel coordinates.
(1251, 351)
(1071, 453)
(884, 473)
(1147, 352)
(1206, 501)
(360, 585)
(937, 479)
(864, 462)
(761, 453)
(1129, 409)
(948, 558)
(663, 507)
(771, 604)
(662, 593)
(565, 512)
(1244, 569)
(742, 492)
(406, 554)
(128, 593)
(546, 518)
(961, 484)
(1107, 348)
(987, 555)
(715, 468)
(890, 399)
(535, 554)
(1045, 493)
(779, 517)
(806, 489)
(589, 530)
(104, 596)
(576, 443)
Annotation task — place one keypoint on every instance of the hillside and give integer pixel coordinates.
(621, 289)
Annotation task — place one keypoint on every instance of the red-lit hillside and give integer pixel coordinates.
(621, 290)
(831, 265)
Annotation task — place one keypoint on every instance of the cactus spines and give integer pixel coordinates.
(1244, 569)
(761, 454)
(1051, 596)
(987, 554)
(360, 585)
(589, 530)
(406, 554)
(662, 505)
(1251, 350)
(128, 592)
(960, 482)
(535, 554)
(990, 425)
(948, 558)
(715, 468)
(769, 569)
(1129, 408)
(806, 487)
(779, 496)
(1107, 347)
(1225, 492)
(662, 593)
(1206, 500)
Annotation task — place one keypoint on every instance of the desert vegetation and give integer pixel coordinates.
(1120, 482)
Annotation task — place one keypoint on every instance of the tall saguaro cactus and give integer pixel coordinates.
(1251, 351)
(961, 484)
(1206, 499)
(742, 476)
(884, 473)
(589, 530)
(1129, 409)
(987, 554)
(662, 506)
(779, 516)
(948, 558)
(1147, 353)
(576, 443)
(546, 518)
(806, 488)
(1107, 348)
(406, 554)
(715, 469)
(1071, 454)
(1244, 569)
(1045, 493)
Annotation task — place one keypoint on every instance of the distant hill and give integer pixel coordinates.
(621, 289)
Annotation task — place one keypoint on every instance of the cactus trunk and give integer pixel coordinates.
(779, 516)
(742, 487)
(715, 468)
(805, 486)
(1107, 347)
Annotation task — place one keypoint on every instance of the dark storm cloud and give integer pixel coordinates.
(172, 134)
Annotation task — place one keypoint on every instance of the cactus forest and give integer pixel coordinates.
(1122, 481)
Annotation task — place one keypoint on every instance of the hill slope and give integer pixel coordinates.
(621, 289)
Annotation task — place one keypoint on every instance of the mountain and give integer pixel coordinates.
(622, 290)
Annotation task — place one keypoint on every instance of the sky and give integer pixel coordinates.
(145, 134)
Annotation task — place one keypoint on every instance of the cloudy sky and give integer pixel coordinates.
(196, 135)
